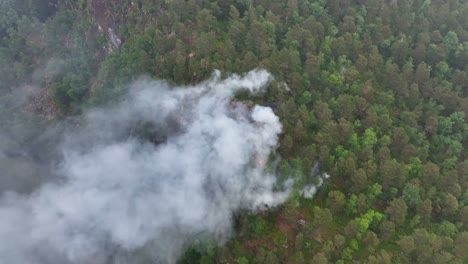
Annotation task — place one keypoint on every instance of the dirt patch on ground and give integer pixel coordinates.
(253, 243)
(284, 227)
(42, 104)
(103, 12)
(287, 223)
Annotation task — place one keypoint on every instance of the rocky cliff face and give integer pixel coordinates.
(108, 15)
(99, 37)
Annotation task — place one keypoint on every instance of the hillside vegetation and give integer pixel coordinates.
(375, 91)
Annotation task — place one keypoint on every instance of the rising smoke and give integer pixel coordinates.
(146, 176)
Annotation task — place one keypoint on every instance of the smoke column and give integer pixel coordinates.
(147, 175)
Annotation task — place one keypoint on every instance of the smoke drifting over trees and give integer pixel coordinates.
(373, 93)
(119, 191)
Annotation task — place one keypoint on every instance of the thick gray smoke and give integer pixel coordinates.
(144, 177)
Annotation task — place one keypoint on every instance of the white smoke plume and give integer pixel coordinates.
(145, 176)
(311, 189)
(315, 181)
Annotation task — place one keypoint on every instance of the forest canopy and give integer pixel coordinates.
(374, 91)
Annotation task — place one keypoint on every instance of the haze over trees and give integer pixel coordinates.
(376, 91)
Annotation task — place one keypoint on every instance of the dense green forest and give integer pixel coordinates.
(375, 91)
